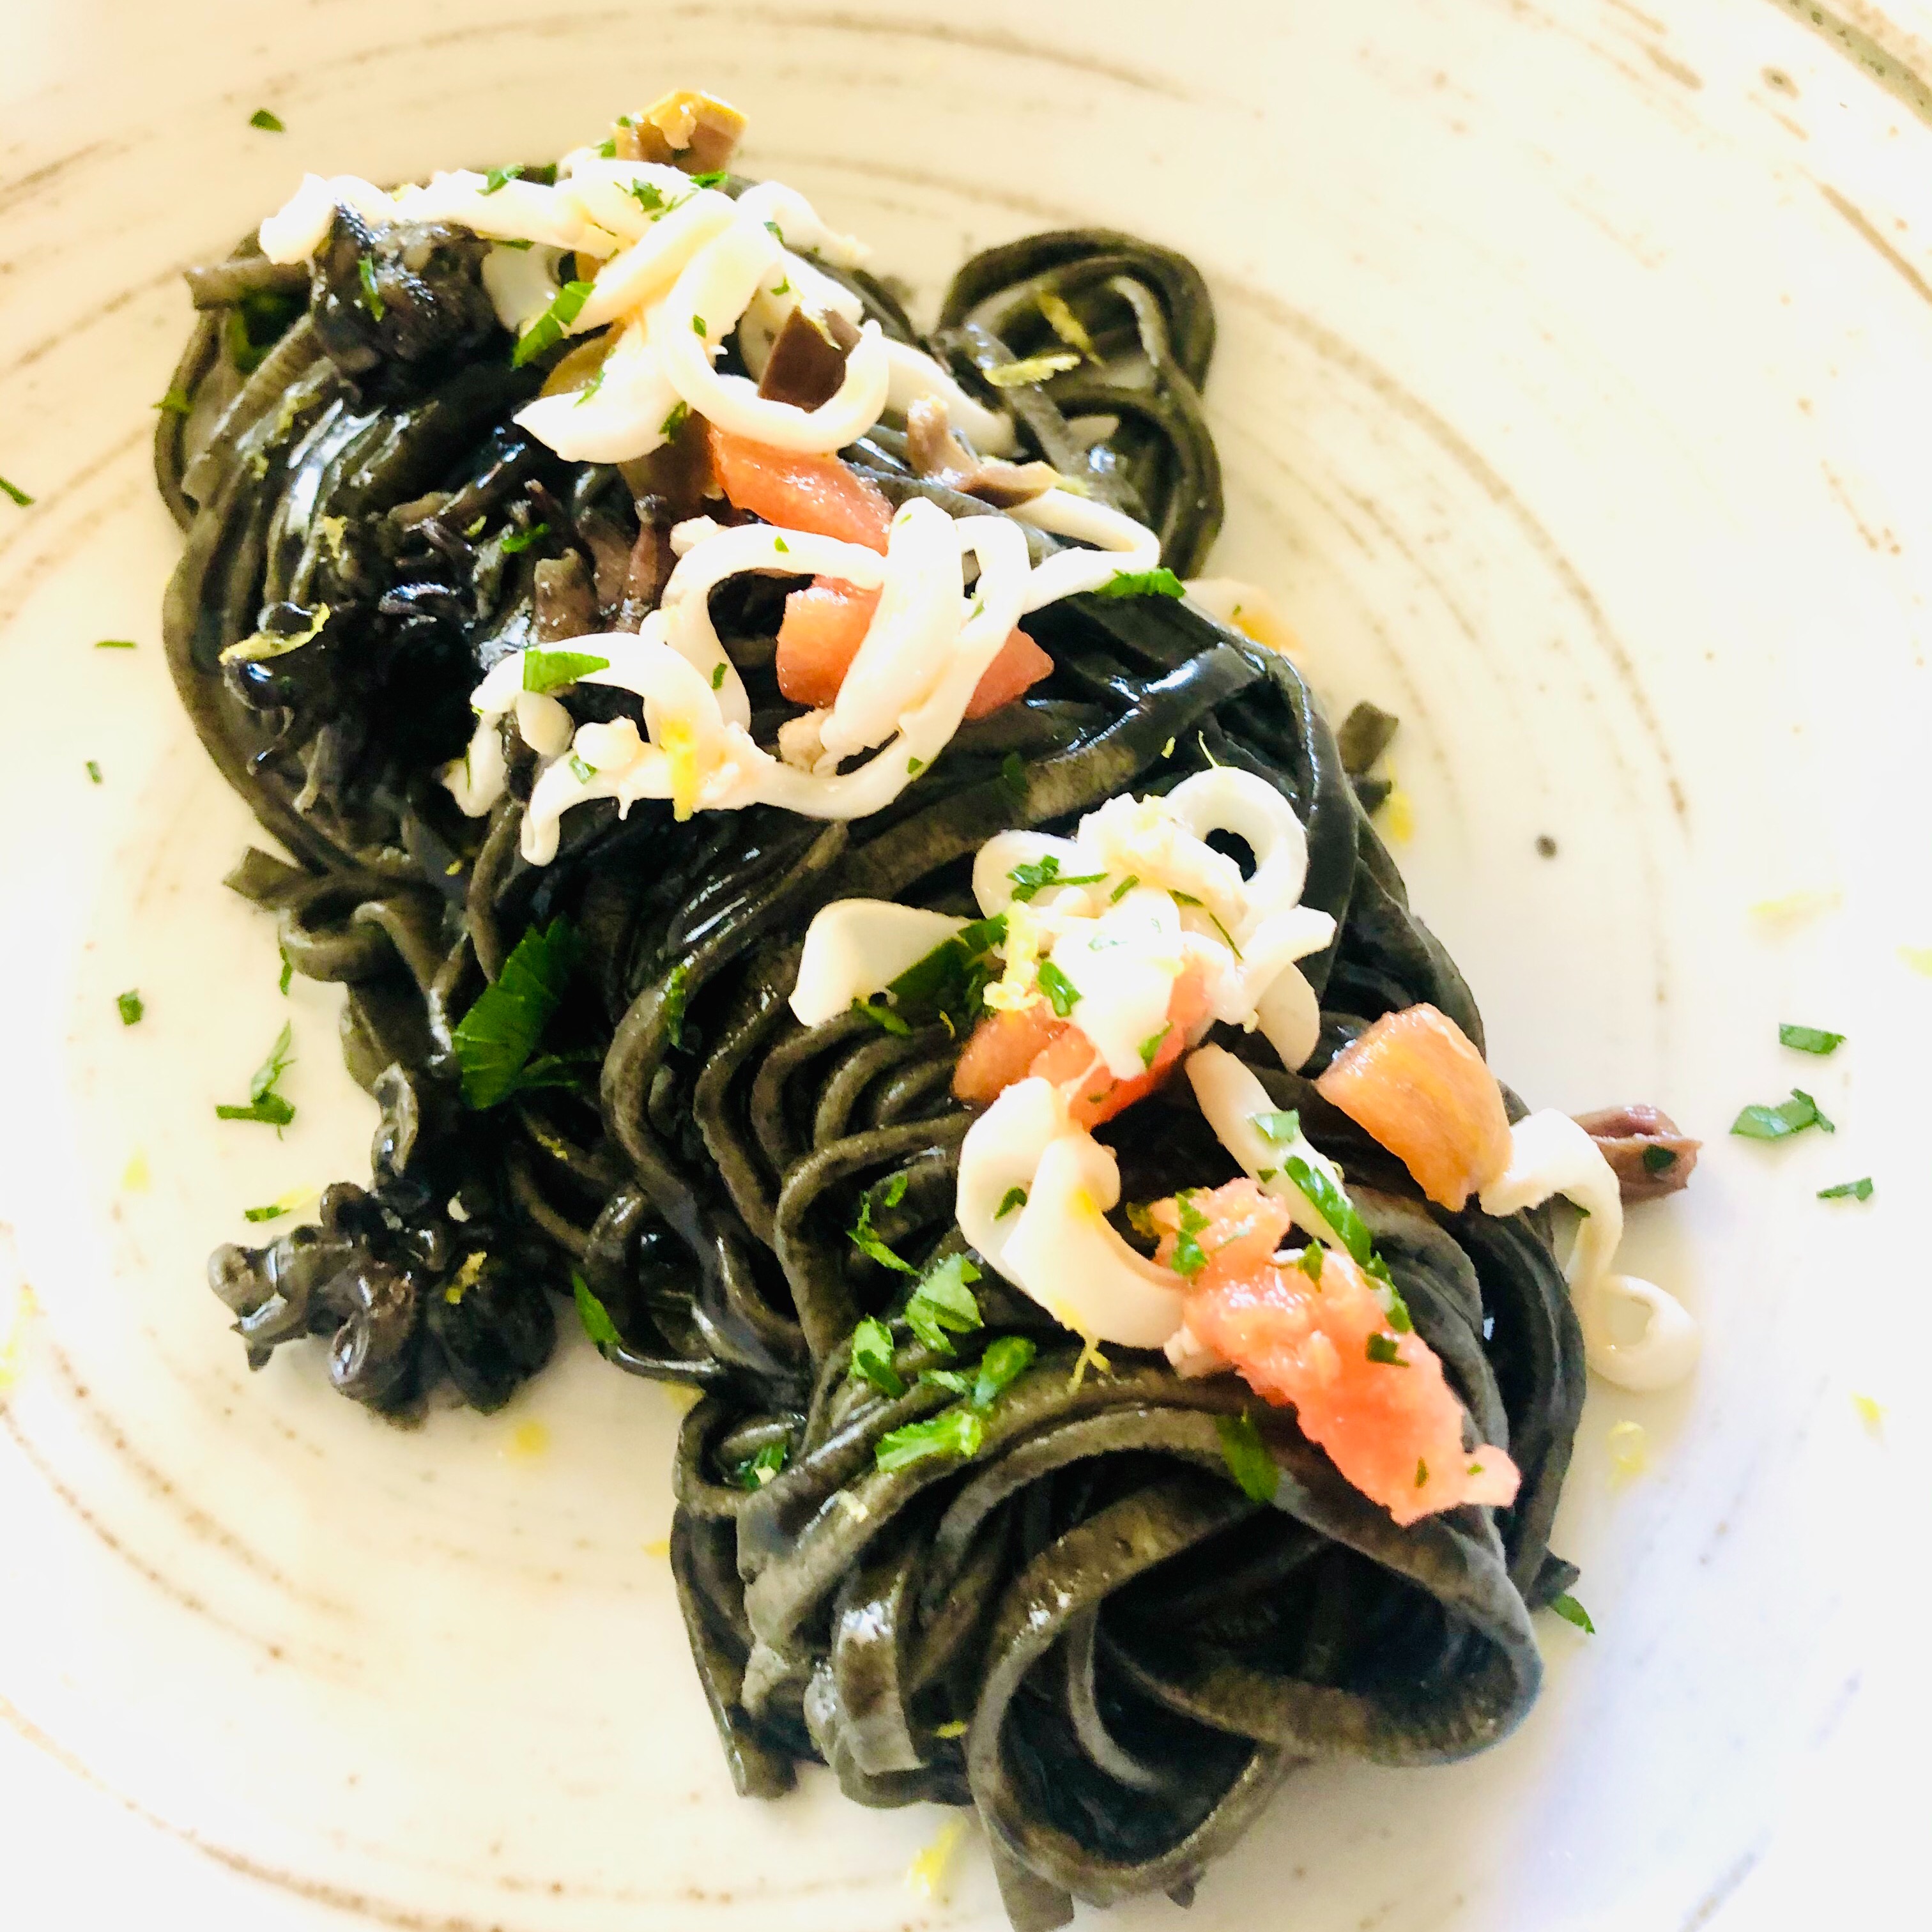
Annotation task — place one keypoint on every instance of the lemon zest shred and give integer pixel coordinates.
(135, 1178)
(466, 1277)
(13, 1350)
(528, 1440)
(658, 1546)
(1090, 1353)
(1793, 909)
(928, 1872)
(1918, 958)
(1629, 1450)
(1871, 1413)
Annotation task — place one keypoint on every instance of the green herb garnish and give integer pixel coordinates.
(497, 177)
(755, 1471)
(674, 421)
(1029, 879)
(711, 177)
(1860, 1189)
(1014, 1197)
(1246, 1456)
(647, 195)
(268, 123)
(942, 1306)
(591, 387)
(1567, 1607)
(94, 771)
(1012, 773)
(914, 766)
(545, 670)
(718, 683)
(14, 491)
(1000, 1366)
(130, 1007)
(1788, 1117)
(1383, 1348)
(583, 773)
(594, 1316)
(115, 644)
(1310, 1262)
(496, 1036)
(1421, 1474)
(1190, 1258)
(861, 1237)
(1281, 1126)
(546, 332)
(1810, 1039)
(372, 296)
(883, 1017)
(265, 1104)
(958, 1432)
(872, 1357)
(176, 402)
(1659, 1159)
(516, 541)
(950, 980)
(1125, 886)
(698, 326)
(1151, 1046)
(1162, 582)
(676, 993)
(288, 971)
(1061, 991)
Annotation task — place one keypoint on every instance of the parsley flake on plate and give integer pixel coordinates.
(265, 1104)
(1246, 1456)
(1810, 1039)
(495, 1039)
(1780, 1122)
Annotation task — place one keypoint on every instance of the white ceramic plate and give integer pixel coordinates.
(1573, 390)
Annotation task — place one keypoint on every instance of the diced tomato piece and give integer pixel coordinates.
(997, 1055)
(1020, 665)
(1003, 1049)
(825, 624)
(823, 627)
(800, 492)
(1416, 1083)
(1389, 1421)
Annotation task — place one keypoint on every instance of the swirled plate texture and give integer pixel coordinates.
(1572, 396)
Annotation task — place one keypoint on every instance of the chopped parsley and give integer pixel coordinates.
(948, 983)
(1012, 773)
(676, 994)
(130, 1007)
(592, 1312)
(583, 773)
(1151, 1046)
(265, 1104)
(942, 1306)
(1032, 369)
(94, 771)
(1860, 1189)
(545, 670)
(1162, 582)
(914, 766)
(883, 1017)
(1125, 886)
(1029, 879)
(1810, 1039)
(1421, 1474)
(1336, 1208)
(496, 1036)
(115, 644)
(779, 544)
(372, 296)
(675, 422)
(1778, 1123)
(275, 1210)
(861, 1237)
(498, 178)
(288, 972)
(1061, 991)
(516, 541)
(698, 326)
(1227, 937)
(1189, 1257)
(711, 177)
(957, 1431)
(590, 387)
(1246, 1456)
(176, 402)
(269, 124)
(546, 332)
(1310, 1262)
(1659, 1159)
(1000, 1366)
(1567, 1607)
(1383, 1348)
(647, 195)
(14, 491)
(896, 1188)
(755, 1471)
(1281, 1126)
(1014, 1197)
(872, 1357)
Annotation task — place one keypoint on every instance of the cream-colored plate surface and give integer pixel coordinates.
(1573, 393)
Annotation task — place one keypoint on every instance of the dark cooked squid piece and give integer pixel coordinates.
(1079, 1622)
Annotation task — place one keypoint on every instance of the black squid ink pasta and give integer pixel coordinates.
(445, 465)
